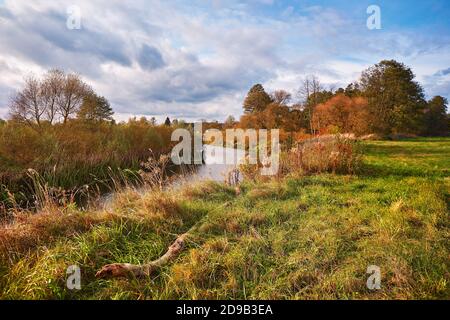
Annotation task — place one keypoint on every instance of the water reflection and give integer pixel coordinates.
(218, 161)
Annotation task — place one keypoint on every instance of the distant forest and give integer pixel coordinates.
(385, 101)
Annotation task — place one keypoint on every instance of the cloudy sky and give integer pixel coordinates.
(196, 59)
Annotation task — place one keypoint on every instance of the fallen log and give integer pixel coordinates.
(116, 270)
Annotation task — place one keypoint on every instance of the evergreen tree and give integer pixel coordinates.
(257, 99)
(436, 121)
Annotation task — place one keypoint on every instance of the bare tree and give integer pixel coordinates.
(73, 92)
(26, 105)
(308, 94)
(52, 89)
(281, 97)
(57, 94)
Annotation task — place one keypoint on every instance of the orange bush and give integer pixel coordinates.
(342, 114)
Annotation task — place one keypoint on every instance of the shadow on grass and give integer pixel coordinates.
(380, 171)
(405, 149)
(411, 158)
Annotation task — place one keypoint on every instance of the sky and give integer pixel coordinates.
(197, 59)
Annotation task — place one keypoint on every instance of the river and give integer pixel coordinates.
(216, 166)
(218, 162)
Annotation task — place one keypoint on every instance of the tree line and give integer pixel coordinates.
(385, 100)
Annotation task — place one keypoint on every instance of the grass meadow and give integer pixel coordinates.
(298, 237)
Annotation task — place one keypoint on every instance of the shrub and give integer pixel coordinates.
(332, 153)
(335, 154)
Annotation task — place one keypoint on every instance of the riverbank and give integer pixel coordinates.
(301, 237)
(74, 161)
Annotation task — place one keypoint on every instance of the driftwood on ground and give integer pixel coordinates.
(126, 269)
(116, 270)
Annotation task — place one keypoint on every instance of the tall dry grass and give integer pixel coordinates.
(64, 159)
(333, 153)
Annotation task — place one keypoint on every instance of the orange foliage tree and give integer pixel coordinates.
(342, 114)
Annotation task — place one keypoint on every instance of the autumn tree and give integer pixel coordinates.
(342, 114)
(266, 111)
(275, 116)
(436, 121)
(95, 108)
(396, 102)
(256, 100)
(73, 92)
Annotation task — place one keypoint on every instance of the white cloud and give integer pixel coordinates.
(191, 60)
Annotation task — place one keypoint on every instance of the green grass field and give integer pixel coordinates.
(304, 237)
